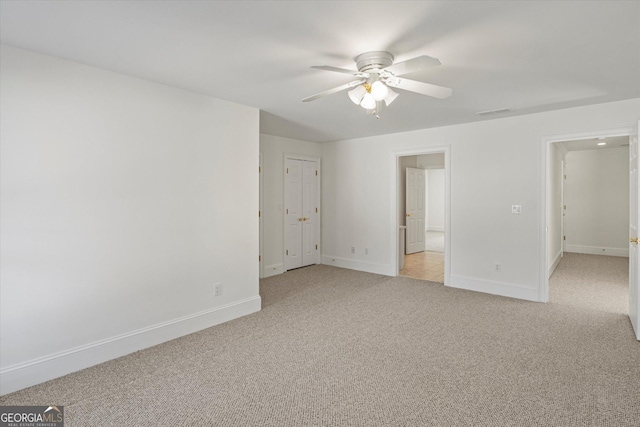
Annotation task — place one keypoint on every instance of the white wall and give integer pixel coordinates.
(123, 203)
(597, 199)
(435, 199)
(554, 253)
(494, 164)
(273, 150)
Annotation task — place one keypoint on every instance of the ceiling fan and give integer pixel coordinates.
(375, 77)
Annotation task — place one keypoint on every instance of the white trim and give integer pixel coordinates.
(393, 214)
(261, 219)
(597, 250)
(545, 193)
(318, 161)
(563, 150)
(434, 228)
(504, 289)
(352, 264)
(52, 366)
(273, 270)
(555, 263)
(562, 220)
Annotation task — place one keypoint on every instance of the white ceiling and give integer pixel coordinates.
(529, 56)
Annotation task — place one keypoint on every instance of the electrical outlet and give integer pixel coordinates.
(497, 267)
(353, 249)
(516, 209)
(217, 290)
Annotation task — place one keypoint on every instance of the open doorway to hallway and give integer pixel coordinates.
(421, 190)
(590, 222)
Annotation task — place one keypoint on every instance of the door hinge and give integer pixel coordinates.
(316, 173)
(287, 170)
(287, 211)
(259, 169)
(564, 237)
(259, 214)
(565, 207)
(316, 210)
(316, 247)
(287, 251)
(565, 176)
(259, 258)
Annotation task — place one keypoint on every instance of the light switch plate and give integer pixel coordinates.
(516, 209)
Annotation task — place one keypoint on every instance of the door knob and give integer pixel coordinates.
(634, 240)
(408, 214)
(300, 219)
(305, 218)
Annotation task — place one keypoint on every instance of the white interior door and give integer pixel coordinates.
(415, 211)
(634, 220)
(301, 213)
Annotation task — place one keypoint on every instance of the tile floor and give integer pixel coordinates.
(424, 265)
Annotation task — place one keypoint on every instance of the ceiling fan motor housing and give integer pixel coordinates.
(373, 60)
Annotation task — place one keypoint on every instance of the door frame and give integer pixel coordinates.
(545, 193)
(394, 213)
(564, 206)
(318, 160)
(261, 216)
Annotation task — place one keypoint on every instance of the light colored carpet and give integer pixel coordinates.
(335, 347)
(594, 282)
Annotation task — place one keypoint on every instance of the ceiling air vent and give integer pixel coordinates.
(491, 112)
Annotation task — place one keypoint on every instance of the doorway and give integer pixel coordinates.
(590, 203)
(553, 236)
(422, 193)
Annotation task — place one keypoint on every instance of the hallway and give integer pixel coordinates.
(591, 281)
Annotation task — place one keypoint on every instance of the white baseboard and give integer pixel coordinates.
(555, 263)
(597, 250)
(45, 368)
(352, 264)
(273, 270)
(435, 228)
(510, 290)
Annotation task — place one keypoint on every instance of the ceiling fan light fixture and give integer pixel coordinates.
(368, 102)
(357, 94)
(377, 75)
(391, 96)
(379, 90)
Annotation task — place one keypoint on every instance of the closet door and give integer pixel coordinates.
(301, 213)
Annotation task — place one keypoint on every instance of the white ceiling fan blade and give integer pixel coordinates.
(334, 90)
(419, 87)
(419, 63)
(340, 70)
